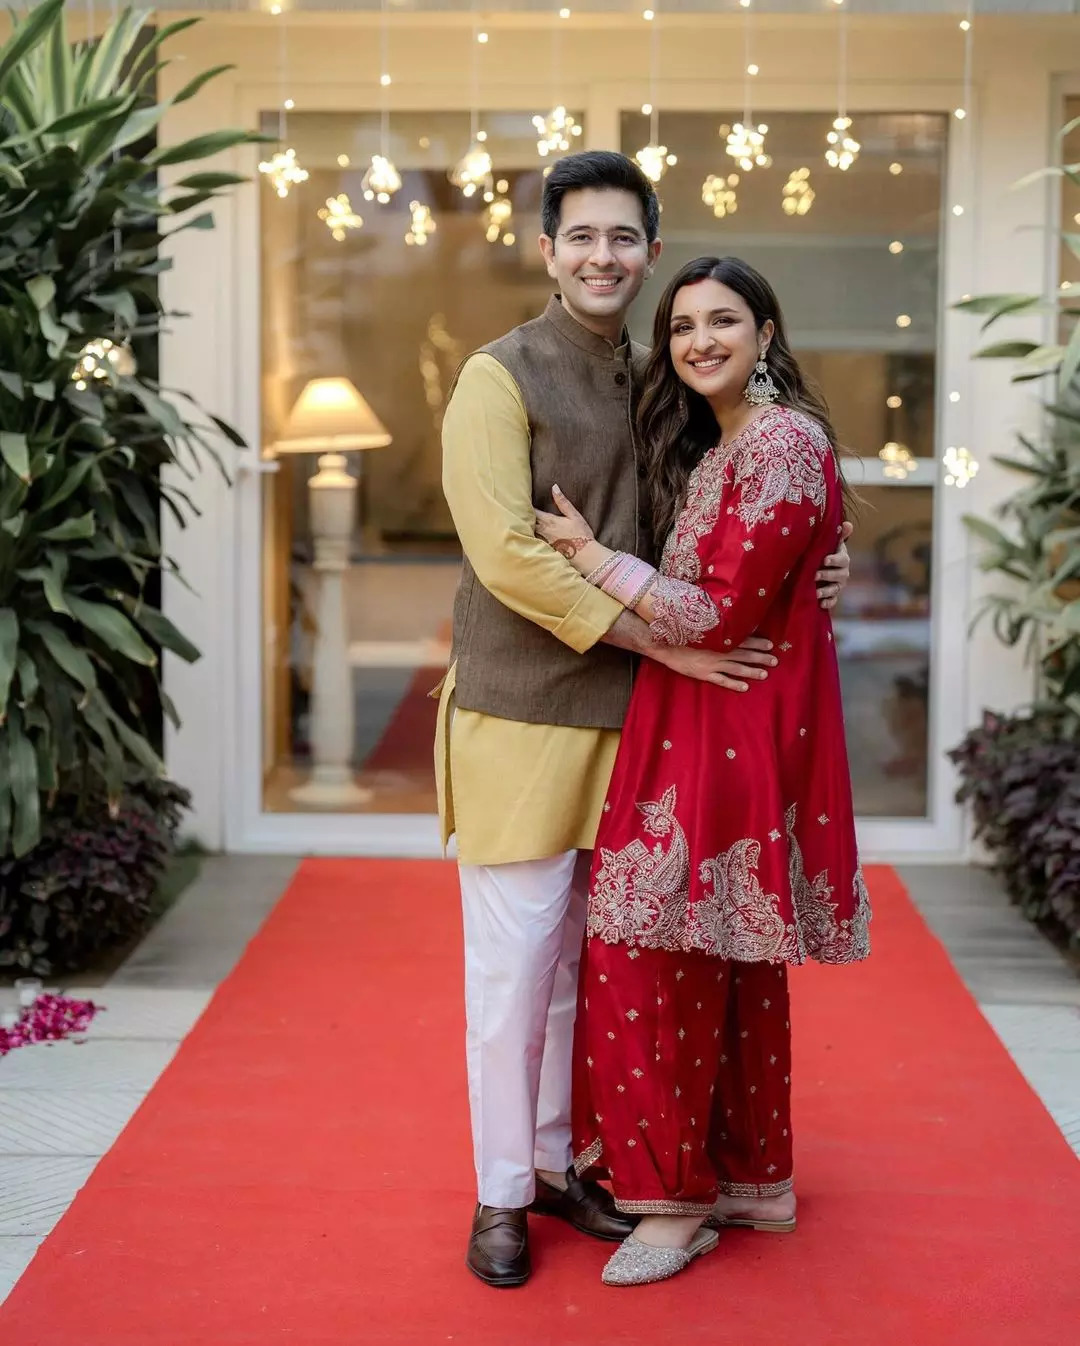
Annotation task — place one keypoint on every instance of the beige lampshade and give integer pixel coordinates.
(328, 416)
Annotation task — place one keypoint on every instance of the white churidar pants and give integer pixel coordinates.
(523, 929)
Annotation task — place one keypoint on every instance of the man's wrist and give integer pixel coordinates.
(629, 632)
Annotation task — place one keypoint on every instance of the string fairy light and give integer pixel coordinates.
(422, 224)
(959, 464)
(283, 169)
(745, 141)
(339, 217)
(719, 194)
(498, 218)
(797, 196)
(102, 359)
(382, 180)
(898, 462)
(654, 159)
(842, 149)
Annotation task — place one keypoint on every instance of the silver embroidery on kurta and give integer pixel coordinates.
(684, 613)
(777, 458)
(781, 466)
(641, 896)
(821, 936)
(640, 892)
(738, 919)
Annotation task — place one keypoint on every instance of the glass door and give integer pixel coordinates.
(388, 297)
(854, 258)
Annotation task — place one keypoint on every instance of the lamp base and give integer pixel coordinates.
(331, 787)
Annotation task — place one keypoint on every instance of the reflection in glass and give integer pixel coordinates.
(391, 297)
(882, 631)
(856, 271)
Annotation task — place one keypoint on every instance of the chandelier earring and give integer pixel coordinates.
(761, 390)
(684, 410)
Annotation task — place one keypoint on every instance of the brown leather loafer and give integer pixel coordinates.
(499, 1246)
(586, 1205)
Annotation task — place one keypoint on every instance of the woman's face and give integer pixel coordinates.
(714, 343)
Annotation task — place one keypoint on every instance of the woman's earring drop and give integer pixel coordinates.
(761, 390)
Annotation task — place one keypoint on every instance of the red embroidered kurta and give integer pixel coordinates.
(729, 826)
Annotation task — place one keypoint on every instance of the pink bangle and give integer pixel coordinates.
(598, 575)
(648, 584)
(628, 582)
(614, 580)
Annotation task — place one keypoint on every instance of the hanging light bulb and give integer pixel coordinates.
(843, 148)
(283, 168)
(339, 217)
(719, 193)
(555, 132)
(381, 180)
(798, 195)
(654, 161)
(746, 145)
(898, 461)
(422, 226)
(960, 466)
(472, 172)
(283, 171)
(102, 359)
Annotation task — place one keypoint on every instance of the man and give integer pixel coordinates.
(539, 683)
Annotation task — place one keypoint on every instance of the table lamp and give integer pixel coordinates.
(329, 417)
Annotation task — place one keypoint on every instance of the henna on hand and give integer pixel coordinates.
(570, 546)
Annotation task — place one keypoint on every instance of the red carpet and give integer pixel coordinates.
(405, 744)
(300, 1174)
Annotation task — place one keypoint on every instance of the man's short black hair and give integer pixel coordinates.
(603, 169)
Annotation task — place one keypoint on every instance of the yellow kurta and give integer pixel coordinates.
(511, 790)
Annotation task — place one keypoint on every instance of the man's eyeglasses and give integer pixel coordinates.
(619, 240)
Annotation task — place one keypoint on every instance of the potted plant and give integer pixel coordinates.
(90, 445)
(1022, 773)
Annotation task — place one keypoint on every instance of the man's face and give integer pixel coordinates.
(599, 256)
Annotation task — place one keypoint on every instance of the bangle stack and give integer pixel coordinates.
(626, 578)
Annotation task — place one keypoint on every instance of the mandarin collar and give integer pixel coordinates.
(581, 337)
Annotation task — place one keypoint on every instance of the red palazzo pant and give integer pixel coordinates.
(682, 1077)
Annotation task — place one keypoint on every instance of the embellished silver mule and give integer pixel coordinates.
(638, 1263)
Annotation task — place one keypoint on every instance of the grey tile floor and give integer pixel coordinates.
(63, 1106)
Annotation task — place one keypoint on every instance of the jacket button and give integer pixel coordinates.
(620, 379)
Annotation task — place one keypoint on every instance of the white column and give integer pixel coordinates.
(333, 511)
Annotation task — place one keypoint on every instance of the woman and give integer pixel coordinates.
(727, 847)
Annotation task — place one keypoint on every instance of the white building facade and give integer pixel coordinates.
(868, 275)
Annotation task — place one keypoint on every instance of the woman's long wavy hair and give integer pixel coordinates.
(676, 425)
